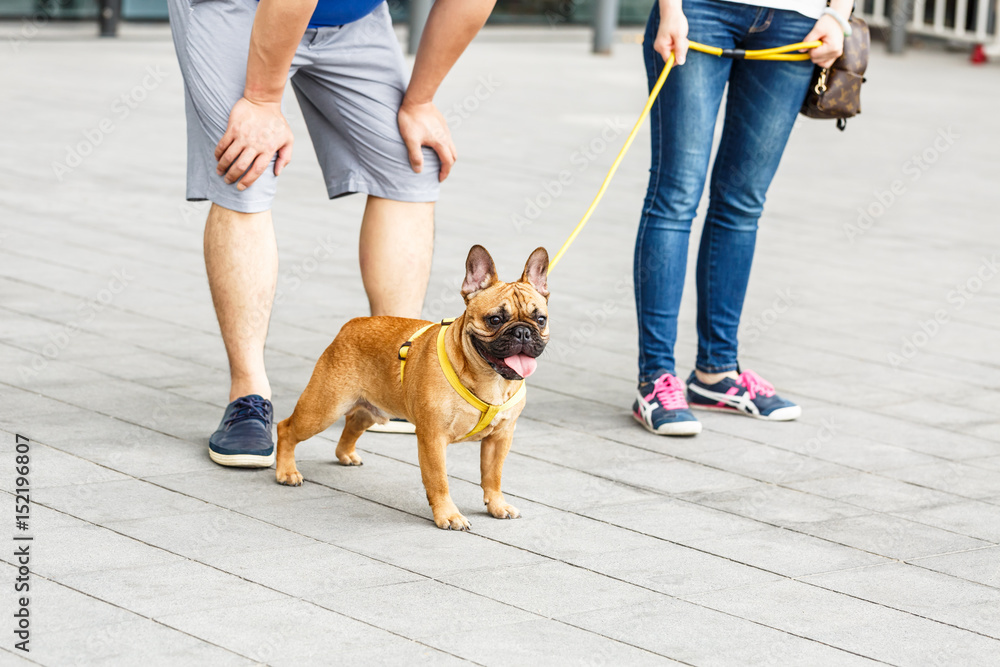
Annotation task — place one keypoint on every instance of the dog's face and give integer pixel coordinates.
(507, 323)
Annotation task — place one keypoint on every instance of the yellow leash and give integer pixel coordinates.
(778, 53)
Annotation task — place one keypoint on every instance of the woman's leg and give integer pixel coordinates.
(762, 104)
(682, 126)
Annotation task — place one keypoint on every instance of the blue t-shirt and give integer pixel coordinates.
(339, 12)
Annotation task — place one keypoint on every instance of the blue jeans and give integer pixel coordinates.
(762, 104)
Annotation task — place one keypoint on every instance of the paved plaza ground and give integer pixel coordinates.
(865, 532)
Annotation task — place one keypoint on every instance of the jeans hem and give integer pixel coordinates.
(718, 369)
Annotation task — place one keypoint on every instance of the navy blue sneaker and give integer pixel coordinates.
(243, 439)
(394, 425)
(660, 407)
(749, 395)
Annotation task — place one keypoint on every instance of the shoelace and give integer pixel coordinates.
(755, 384)
(670, 392)
(250, 407)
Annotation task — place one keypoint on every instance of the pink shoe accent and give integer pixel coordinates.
(729, 392)
(755, 384)
(669, 392)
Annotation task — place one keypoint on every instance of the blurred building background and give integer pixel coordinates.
(536, 12)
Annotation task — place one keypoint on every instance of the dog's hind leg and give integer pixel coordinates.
(358, 421)
(318, 408)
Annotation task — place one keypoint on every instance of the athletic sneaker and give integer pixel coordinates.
(243, 439)
(394, 425)
(749, 395)
(661, 408)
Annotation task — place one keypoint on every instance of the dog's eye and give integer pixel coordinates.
(494, 320)
(541, 319)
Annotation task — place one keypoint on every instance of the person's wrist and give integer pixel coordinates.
(262, 96)
(841, 20)
(414, 101)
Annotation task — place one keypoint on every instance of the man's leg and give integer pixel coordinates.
(397, 241)
(241, 258)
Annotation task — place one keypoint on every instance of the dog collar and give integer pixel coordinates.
(488, 410)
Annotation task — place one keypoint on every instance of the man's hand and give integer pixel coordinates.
(255, 133)
(832, 35)
(672, 35)
(423, 125)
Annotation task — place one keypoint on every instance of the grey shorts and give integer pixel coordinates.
(349, 82)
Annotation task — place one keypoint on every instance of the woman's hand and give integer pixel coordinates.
(672, 35)
(831, 34)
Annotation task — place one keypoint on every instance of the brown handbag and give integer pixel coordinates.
(835, 91)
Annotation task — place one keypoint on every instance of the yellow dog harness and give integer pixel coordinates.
(488, 410)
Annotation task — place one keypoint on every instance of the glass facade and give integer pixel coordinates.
(529, 12)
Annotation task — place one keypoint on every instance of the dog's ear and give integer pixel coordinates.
(480, 272)
(536, 271)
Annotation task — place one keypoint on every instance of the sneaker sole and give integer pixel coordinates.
(672, 428)
(242, 460)
(393, 427)
(780, 415)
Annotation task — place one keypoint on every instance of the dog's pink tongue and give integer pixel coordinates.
(522, 364)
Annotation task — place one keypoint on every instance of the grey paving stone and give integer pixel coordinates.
(119, 500)
(237, 487)
(978, 565)
(426, 609)
(174, 588)
(316, 572)
(337, 518)
(565, 488)
(875, 492)
(868, 629)
(51, 467)
(697, 635)
(768, 464)
(923, 593)
(975, 519)
(529, 642)
(957, 478)
(889, 536)
(56, 608)
(89, 548)
(674, 570)
(198, 534)
(118, 445)
(563, 535)
(283, 632)
(437, 553)
(139, 641)
(862, 453)
(775, 504)
(674, 520)
(550, 589)
(674, 476)
(787, 553)
(14, 657)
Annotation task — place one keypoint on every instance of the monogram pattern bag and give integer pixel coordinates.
(835, 91)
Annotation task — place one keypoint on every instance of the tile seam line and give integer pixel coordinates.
(868, 511)
(286, 596)
(316, 604)
(544, 556)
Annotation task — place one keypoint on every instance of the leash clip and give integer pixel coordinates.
(820, 86)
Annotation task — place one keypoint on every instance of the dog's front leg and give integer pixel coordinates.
(492, 453)
(433, 469)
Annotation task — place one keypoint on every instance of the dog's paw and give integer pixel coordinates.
(351, 459)
(293, 478)
(453, 521)
(503, 511)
